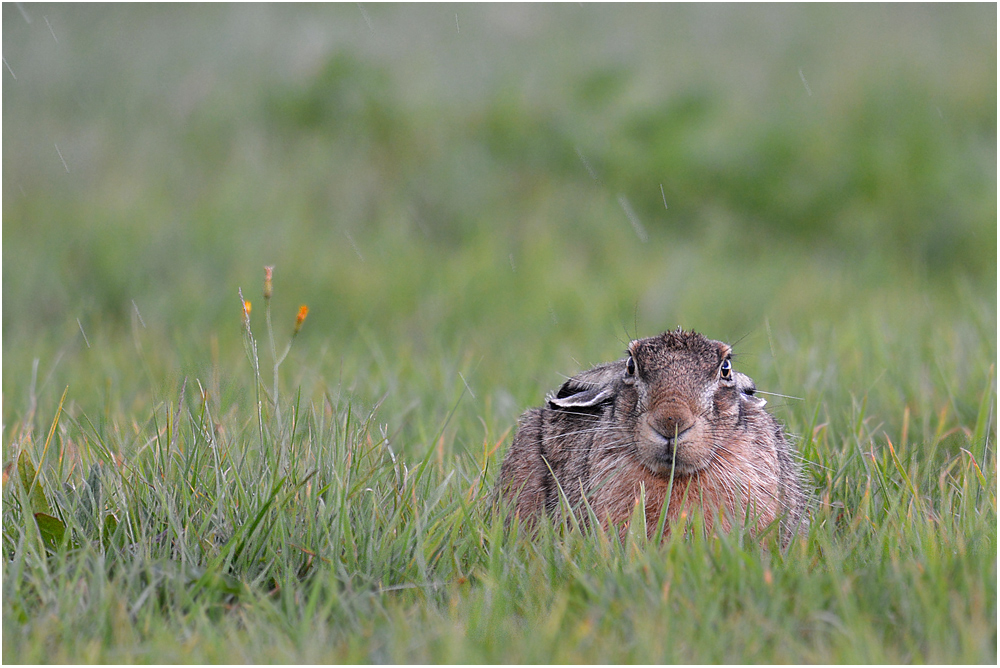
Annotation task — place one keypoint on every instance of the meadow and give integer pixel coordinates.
(475, 202)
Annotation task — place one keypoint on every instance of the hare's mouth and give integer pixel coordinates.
(664, 454)
(664, 463)
(670, 440)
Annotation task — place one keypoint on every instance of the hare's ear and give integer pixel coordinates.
(577, 394)
(748, 388)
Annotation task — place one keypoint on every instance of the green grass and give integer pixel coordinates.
(471, 200)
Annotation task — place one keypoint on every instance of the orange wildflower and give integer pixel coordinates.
(303, 312)
(246, 310)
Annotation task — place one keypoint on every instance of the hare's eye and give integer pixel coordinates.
(630, 366)
(727, 369)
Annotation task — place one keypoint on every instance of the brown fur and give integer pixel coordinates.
(673, 409)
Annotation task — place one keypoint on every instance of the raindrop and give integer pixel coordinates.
(83, 332)
(138, 315)
(640, 231)
(65, 166)
(50, 29)
(805, 83)
(664, 195)
(368, 20)
(354, 246)
(24, 14)
(586, 164)
(9, 70)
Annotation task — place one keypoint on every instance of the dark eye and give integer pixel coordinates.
(727, 369)
(630, 366)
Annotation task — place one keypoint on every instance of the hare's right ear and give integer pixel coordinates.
(575, 393)
(748, 388)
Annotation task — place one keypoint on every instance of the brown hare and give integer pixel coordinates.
(674, 415)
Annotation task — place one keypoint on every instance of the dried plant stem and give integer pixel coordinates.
(251, 345)
(274, 356)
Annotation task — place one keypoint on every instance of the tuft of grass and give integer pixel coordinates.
(211, 533)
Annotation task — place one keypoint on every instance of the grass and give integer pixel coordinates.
(474, 201)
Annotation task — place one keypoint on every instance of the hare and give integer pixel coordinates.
(674, 417)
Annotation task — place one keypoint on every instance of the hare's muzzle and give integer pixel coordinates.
(665, 434)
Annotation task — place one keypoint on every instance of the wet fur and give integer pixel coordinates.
(600, 437)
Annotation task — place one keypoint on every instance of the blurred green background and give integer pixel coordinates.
(480, 198)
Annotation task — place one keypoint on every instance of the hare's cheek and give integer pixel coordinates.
(726, 401)
(729, 408)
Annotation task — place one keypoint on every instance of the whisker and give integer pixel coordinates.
(775, 394)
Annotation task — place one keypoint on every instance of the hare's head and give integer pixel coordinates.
(686, 399)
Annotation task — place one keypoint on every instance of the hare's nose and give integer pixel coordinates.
(672, 421)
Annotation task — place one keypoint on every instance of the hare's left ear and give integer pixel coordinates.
(589, 389)
(573, 394)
